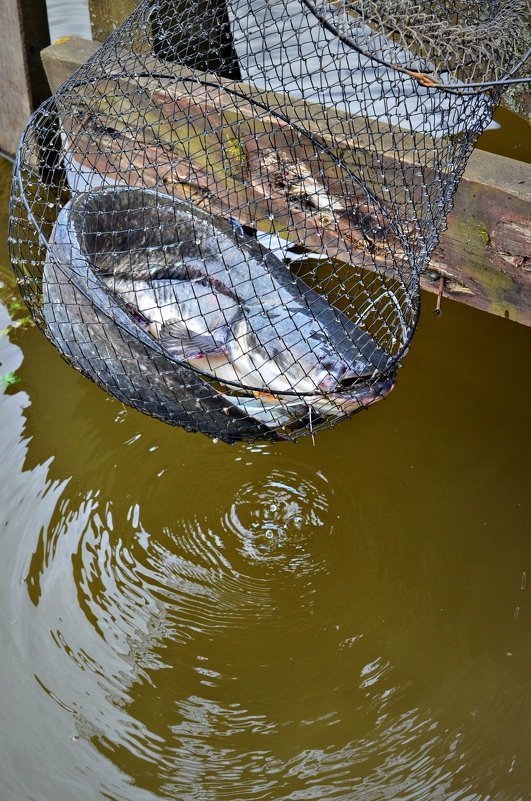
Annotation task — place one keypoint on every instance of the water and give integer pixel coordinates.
(68, 18)
(185, 620)
(511, 137)
(188, 620)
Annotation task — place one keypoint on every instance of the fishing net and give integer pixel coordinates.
(222, 217)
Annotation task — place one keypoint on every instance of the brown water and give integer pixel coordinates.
(187, 620)
(511, 139)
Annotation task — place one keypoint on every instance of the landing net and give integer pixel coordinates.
(222, 217)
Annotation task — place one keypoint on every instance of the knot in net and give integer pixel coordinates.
(222, 217)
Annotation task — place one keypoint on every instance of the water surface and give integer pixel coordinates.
(188, 620)
(68, 18)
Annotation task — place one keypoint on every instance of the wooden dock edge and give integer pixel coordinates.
(484, 256)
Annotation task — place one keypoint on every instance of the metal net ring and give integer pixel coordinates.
(222, 218)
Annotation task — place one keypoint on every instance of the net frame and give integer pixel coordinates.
(216, 109)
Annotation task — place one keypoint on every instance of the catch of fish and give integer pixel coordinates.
(206, 302)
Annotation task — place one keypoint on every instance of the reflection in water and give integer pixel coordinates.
(350, 621)
(188, 658)
(185, 620)
(68, 18)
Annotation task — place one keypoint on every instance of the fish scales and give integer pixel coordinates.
(222, 303)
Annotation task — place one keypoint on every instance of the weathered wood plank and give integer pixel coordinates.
(518, 100)
(62, 59)
(22, 77)
(483, 256)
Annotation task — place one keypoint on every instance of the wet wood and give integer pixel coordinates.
(201, 172)
(22, 77)
(483, 257)
(518, 100)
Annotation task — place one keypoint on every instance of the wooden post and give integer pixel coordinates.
(201, 37)
(22, 77)
(106, 15)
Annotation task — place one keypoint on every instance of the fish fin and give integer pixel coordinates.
(266, 396)
(176, 338)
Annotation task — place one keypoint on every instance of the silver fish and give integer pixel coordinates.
(219, 301)
(350, 401)
(283, 410)
(194, 318)
(272, 413)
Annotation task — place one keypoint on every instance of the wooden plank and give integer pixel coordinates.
(61, 60)
(24, 85)
(335, 128)
(484, 256)
(518, 100)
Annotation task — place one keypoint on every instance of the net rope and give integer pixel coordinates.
(222, 217)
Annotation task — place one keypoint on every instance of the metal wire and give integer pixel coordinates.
(422, 77)
(223, 216)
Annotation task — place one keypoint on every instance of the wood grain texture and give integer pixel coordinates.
(22, 77)
(485, 255)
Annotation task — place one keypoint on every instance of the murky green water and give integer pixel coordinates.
(187, 620)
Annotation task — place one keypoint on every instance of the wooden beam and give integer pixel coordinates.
(484, 257)
(22, 77)
(518, 100)
(62, 59)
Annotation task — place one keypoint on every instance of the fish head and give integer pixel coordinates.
(347, 344)
(276, 352)
(350, 399)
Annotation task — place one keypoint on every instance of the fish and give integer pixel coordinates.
(205, 295)
(218, 300)
(108, 345)
(274, 412)
(350, 401)
(283, 410)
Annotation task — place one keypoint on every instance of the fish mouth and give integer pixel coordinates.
(350, 396)
(382, 386)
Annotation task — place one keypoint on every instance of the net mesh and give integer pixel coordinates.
(222, 217)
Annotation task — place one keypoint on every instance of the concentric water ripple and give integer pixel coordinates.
(181, 621)
(275, 521)
(192, 665)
